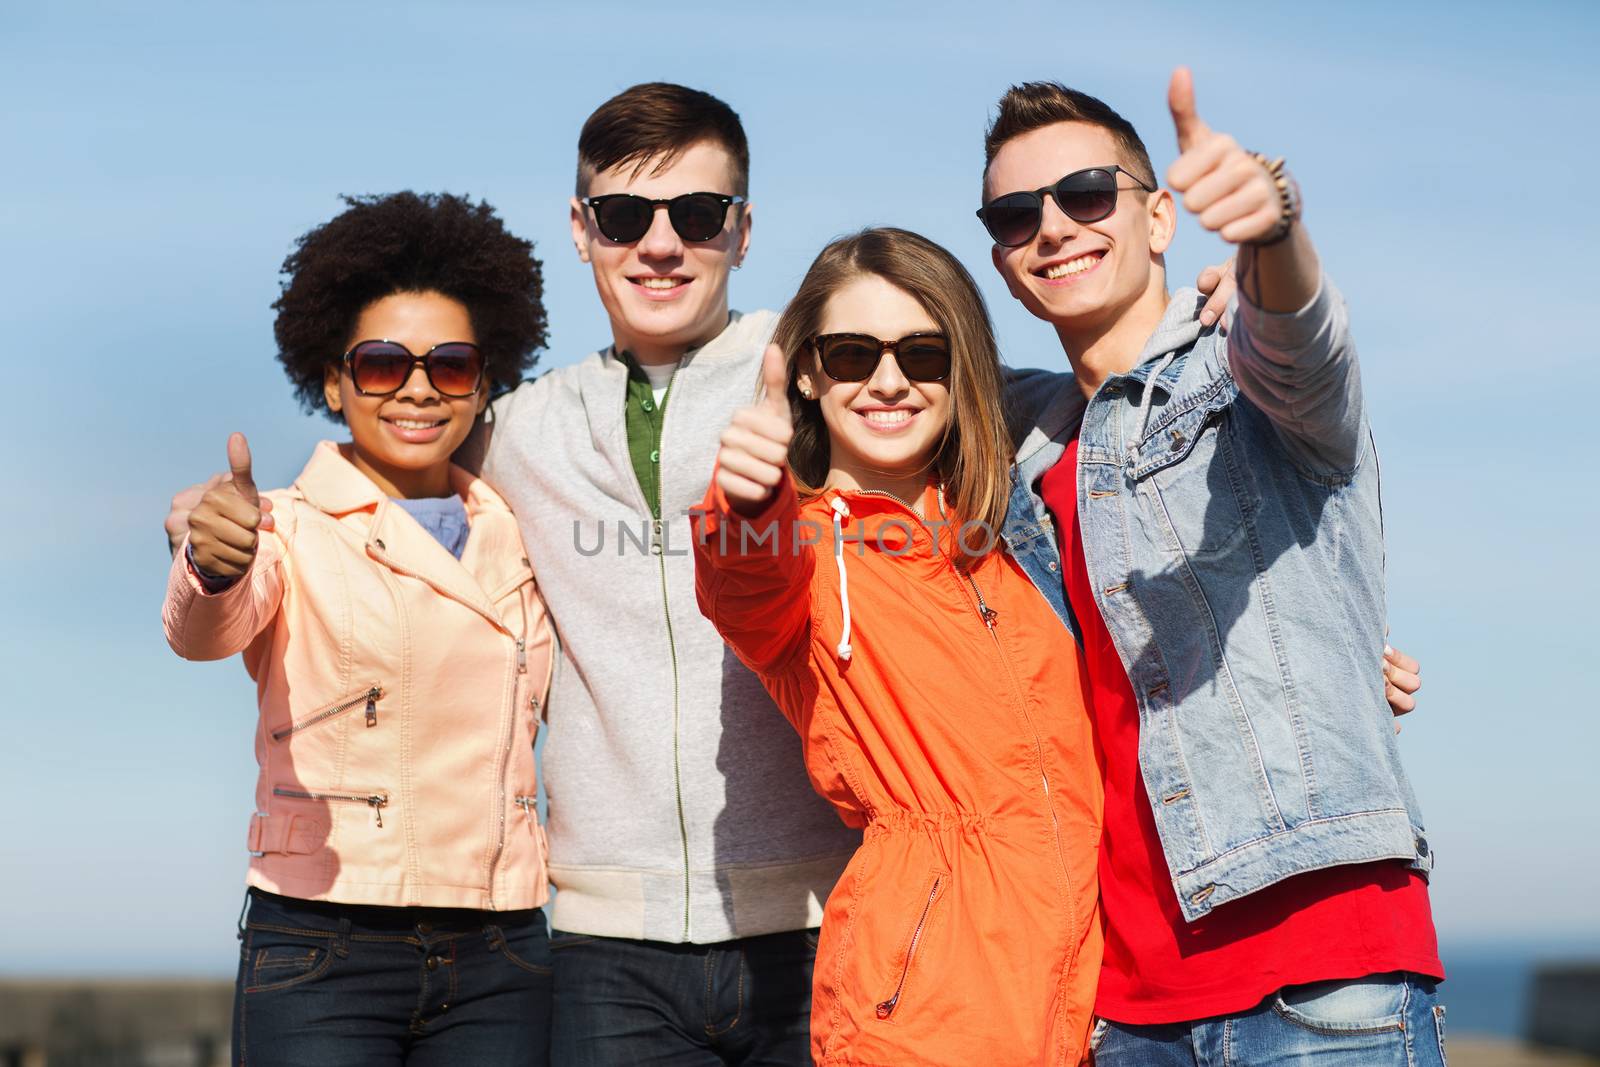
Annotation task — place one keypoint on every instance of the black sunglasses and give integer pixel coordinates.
(624, 218)
(378, 368)
(854, 357)
(1084, 196)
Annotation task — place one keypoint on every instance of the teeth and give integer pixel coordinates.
(1071, 266)
(660, 283)
(415, 424)
(888, 418)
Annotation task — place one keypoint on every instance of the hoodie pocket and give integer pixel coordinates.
(938, 881)
(366, 697)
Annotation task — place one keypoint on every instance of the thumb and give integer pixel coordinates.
(239, 465)
(775, 382)
(1180, 99)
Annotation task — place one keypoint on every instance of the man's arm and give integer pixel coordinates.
(1290, 350)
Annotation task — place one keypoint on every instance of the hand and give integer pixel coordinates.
(183, 503)
(223, 527)
(755, 446)
(1401, 679)
(1218, 284)
(1224, 185)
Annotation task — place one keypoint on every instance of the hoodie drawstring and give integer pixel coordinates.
(1149, 394)
(841, 510)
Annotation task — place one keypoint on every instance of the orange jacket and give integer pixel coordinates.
(944, 713)
(399, 692)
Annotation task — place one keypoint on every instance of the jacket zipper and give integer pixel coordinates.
(377, 801)
(370, 695)
(989, 615)
(660, 550)
(886, 1008)
(505, 750)
(526, 803)
(885, 493)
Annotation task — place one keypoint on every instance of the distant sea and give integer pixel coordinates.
(1486, 987)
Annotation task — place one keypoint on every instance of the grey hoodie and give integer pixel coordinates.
(679, 804)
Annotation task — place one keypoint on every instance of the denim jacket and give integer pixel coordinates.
(1228, 494)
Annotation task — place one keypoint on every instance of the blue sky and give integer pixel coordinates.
(160, 158)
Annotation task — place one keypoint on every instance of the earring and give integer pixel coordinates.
(805, 392)
(736, 266)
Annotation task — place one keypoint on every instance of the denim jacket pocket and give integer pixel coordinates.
(1189, 471)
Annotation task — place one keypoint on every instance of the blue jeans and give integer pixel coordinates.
(340, 985)
(619, 1003)
(1387, 1020)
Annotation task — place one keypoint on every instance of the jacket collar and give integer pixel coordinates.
(605, 395)
(490, 566)
(879, 520)
(1056, 421)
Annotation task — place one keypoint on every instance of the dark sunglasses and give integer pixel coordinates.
(378, 368)
(1084, 196)
(854, 357)
(624, 218)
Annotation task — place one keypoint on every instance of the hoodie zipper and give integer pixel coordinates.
(886, 1008)
(370, 695)
(660, 550)
(376, 801)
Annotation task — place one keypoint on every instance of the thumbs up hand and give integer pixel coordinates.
(1228, 188)
(224, 525)
(755, 446)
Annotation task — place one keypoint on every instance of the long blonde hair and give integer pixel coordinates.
(973, 460)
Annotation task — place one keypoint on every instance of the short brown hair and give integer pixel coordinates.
(658, 121)
(974, 459)
(1032, 105)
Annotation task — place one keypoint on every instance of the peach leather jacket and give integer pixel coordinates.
(400, 692)
(945, 713)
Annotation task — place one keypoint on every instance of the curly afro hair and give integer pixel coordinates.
(400, 243)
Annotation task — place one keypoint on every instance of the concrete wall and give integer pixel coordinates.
(1564, 1008)
(136, 1023)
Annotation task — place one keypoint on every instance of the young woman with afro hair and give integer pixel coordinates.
(386, 610)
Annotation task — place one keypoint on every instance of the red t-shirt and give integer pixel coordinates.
(1341, 922)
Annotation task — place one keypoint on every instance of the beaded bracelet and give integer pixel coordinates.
(1288, 198)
